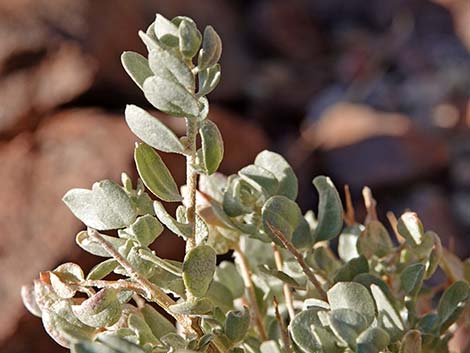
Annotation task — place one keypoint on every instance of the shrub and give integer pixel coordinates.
(287, 290)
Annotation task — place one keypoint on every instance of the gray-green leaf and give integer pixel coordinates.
(353, 296)
(198, 269)
(152, 131)
(137, 67)
(276, 164)
(167, 65)
(208, 80)
(212, 146)
(211, 50)
(155, 174)
(105, 206)
(330, 210)
(170, 97)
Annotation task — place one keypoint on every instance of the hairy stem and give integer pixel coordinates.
(191, 180)
(246, 274)
(287, 290)
(300, 260)
(151, 291)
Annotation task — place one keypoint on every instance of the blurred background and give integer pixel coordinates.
(368, 92)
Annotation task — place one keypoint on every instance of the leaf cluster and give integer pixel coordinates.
(289, 288)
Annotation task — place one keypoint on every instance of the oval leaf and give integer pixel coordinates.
(276, 164)
(211, 50)
(212, 146)
(153, 132)
(330, 210)
(137, 67)
(155, 174)
(105, 206)
(198, 269)
(170, 97)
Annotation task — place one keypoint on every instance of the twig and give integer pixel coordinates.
(300, 260)
(282, 327)
(350, 215)
(371, 204)
(191, 181)
(392, 219)
(287, 290)
(151, 291)
(120, 284)
(246, 274)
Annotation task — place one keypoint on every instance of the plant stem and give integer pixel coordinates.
(191, 180)
(246, 274)
(153, 292)
(287, 290)
(300, 260)
(282, 327)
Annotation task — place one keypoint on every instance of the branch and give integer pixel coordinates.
(286, 287)
(246, 274)
(300, 260)
(151, 291)
(282, 327)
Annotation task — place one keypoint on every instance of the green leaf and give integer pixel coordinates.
(91, 347)
(170, 97)
(172, 266)
(168, 66)
(330, 210)
(208, 80)
(93, 247)
(351, 269)
(101, 310)
(198, 269)
(158, 323)
(105, 206)
(411, 342)
(166, 31)
(373, 340)
(212, 146)
(220, 295)
(280, 275)
(347, 242)
(155, 174)
(102, 269)
(388, 316)
(119, 344)
(200, 306)
(211, 50)
(137, 67)
(374, 240)
(411, 279)
(64, 279)
(410, 227)
(452, 303)
(189, 38)
(145, 230)
(63, 326)
(227, 274)
(181, 229)
(284, 215)
(278, 166)
(301, 332)
(142, 330)
(153, 132)
(353, 296)
(237, 198)
(260, 178)
(237, 324)
(347, 325)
